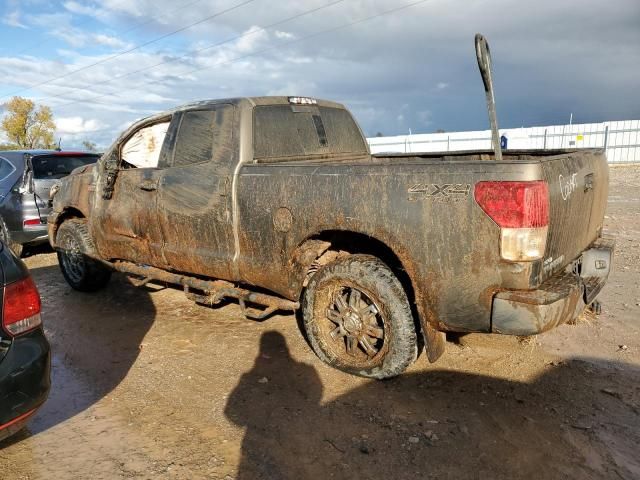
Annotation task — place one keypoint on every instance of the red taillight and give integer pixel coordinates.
(21, 309)
(32, 222)
(515, 204)
(521, 210)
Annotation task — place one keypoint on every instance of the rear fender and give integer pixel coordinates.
(309, 257)
(56, 219)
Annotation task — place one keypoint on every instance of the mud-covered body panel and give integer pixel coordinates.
(424, 210)
(75, 198)
(263, 222)
(578, 189)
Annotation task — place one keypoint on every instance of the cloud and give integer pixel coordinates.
(108, 41)
(253, 37)
(77, 125)
(13, 20)
(85, 9)
(284, 35)
(412, 69)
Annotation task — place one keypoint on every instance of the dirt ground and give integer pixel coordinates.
(149, 385)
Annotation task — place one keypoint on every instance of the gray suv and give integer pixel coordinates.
(26, 177)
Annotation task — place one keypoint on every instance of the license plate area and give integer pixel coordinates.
(594, 266)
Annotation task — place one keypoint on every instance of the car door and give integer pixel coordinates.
(194, 193)
(126, 225)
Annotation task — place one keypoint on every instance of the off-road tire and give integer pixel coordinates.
(80, 271)
(373, 279)
(5, 237)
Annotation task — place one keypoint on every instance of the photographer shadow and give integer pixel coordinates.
(580, 419)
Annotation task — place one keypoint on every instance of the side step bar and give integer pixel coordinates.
(213, 291)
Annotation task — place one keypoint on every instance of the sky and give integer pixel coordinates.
(398, 65)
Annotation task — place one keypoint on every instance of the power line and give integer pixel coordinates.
(275, 47)
(152, 19)
(136, 26)
(38, 44)
(190, 53)
(137, 47)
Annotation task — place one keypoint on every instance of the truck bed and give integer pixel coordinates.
(422, 206)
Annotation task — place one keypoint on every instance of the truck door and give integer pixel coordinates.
(126, 225)
(194, 193)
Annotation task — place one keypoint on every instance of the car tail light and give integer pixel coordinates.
(521, 210)
(32, 222)
(21, 309)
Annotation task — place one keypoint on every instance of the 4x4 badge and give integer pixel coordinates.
(433, 191)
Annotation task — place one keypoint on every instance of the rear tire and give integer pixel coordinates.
(357, 318)
(82, 272)
(5, 237)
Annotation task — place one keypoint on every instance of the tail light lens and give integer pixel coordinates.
(21, 309)
(521, 210)
(32, 222)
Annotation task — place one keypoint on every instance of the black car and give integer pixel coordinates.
(25, 361)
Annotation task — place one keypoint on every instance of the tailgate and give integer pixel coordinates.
(578, 187)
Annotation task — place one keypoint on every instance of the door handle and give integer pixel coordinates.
(148, 186)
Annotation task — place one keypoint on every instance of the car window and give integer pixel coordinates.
(59, 166)
(142, 150)
(6, 168)
(298, 131)
(205, 135)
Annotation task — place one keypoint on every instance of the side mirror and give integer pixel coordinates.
(109, 162)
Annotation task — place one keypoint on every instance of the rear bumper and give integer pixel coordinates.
(560, 299)
(24, 380)
(30, 235)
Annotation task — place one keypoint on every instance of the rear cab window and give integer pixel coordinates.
(60, 165)
(286, 132)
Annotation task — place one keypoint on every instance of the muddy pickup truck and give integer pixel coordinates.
(277, 202)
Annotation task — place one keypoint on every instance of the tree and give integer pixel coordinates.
(89, 145)
(27, 126)
(9, 146)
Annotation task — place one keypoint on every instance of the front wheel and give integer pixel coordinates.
(358, 319)
(83, 273)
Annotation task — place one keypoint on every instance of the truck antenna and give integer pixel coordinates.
(483, 54)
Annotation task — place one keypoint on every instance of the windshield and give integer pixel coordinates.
(59, 166)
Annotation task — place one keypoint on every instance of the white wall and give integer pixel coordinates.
(622, 139)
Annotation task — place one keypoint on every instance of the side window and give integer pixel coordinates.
(142, 150)
(6, 168)
(205, 135)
